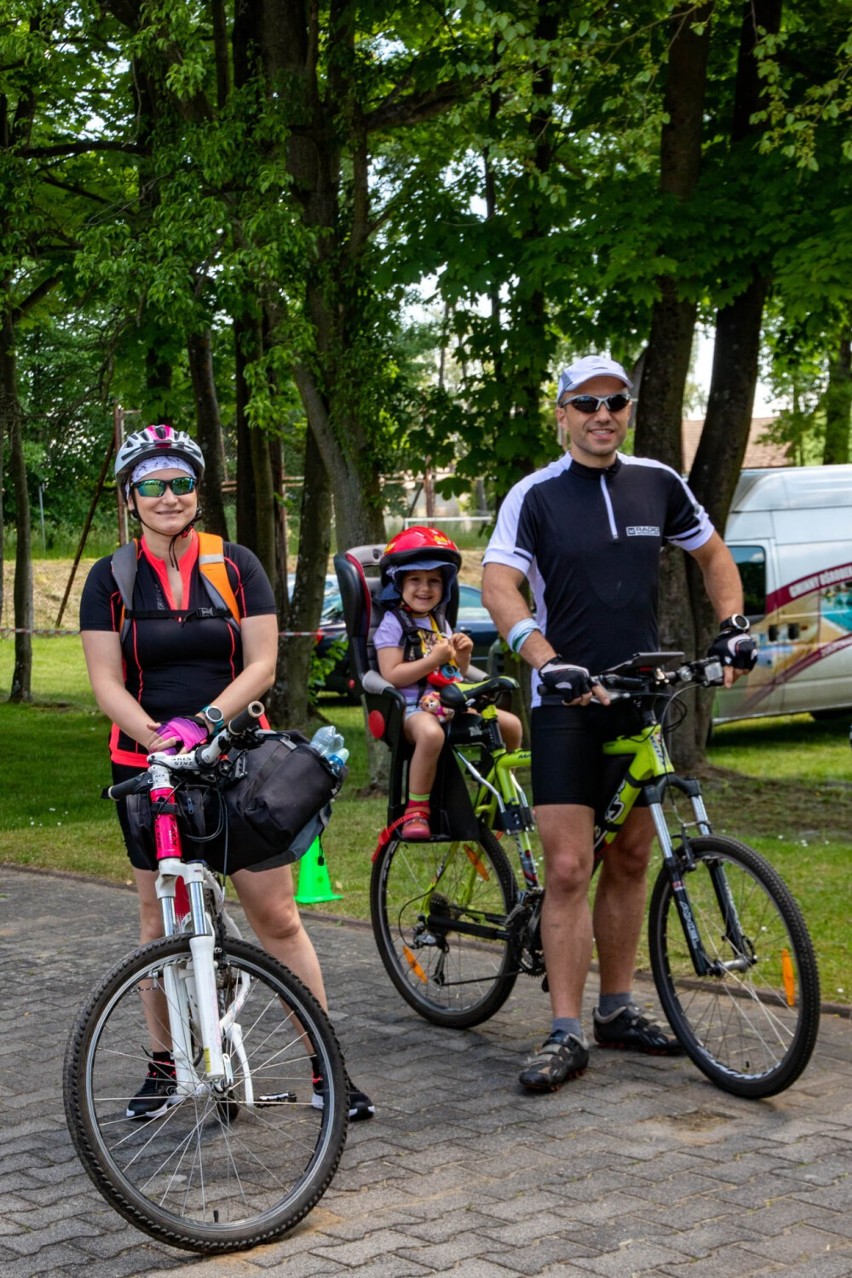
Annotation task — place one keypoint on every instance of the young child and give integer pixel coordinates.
(418, 653)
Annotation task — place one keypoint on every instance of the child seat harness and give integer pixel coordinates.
(214, 574)
(414, 646)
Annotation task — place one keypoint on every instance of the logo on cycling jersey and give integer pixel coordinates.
(642, 530)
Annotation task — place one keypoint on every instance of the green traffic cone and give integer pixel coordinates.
(314, 883)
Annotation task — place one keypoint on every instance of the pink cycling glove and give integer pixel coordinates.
(191, 732)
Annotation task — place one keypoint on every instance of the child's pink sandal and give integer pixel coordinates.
(416, 824)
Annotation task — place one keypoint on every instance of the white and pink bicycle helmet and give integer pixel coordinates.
(153, 442)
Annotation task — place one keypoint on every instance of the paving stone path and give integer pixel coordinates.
(639, 1168)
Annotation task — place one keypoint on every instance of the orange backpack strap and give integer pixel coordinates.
(211, 564)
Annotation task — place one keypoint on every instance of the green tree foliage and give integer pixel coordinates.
(228, 212)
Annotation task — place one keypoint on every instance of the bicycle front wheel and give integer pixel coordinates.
(751, 1023)
(229, 1164)
(439, 915)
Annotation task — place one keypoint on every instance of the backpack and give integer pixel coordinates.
(214, 574)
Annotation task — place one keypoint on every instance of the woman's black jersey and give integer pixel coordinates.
(177, 664)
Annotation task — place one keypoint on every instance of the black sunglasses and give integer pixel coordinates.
(181, 486)
(591, 403)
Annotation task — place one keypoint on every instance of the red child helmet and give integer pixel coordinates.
(420, 547)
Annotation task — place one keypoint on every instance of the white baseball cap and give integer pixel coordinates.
(585, 369)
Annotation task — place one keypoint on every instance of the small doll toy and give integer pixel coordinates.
(431, 703)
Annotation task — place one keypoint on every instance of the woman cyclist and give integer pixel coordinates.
(165, 671)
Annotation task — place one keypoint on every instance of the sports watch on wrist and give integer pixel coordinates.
(214, 717)
(735, 622)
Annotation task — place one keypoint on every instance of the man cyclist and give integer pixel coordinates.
(587, 532)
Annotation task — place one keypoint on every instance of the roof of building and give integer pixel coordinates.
(760, 452)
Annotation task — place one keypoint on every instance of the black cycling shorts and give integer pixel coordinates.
(568, 763)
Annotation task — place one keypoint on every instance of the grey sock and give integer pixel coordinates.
(609, 1004)
(568, 1025)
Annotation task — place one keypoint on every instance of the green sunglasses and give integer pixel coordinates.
(181, 486)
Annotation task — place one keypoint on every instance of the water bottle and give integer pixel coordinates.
(325, 738)
(338, 760)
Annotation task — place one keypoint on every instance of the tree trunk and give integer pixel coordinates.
(838, 405)
(665, 364)
(209, 430)
(290, 697)
(21, 687)
(730, 403)
(245, 346)
(264, 514)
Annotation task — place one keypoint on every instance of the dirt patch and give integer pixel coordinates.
(749, 806)
(50, 581)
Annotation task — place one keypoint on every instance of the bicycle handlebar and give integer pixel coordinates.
(242, 730)
(639, 677)
(239, 731)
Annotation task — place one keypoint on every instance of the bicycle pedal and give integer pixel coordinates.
(277, 1098)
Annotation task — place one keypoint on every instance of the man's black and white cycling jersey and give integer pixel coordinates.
(589, 542)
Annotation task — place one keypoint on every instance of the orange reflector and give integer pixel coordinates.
(789, 977)
(476, 861)
(413, 964)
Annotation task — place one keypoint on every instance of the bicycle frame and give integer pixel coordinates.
(500, 801)
(181, 887)
(650, 770)
(501, 804)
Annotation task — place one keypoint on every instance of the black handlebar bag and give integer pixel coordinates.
(277, 799)
(265, 808)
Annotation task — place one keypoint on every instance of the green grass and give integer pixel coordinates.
(783, 785)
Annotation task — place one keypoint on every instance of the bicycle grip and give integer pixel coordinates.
(133, 785)
(238, 727)
(246, 718)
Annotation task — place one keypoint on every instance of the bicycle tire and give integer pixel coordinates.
(185, 1178)
(449, 977)
(751, 1029)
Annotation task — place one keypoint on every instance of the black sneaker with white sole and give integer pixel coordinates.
(628, 1030)
(360, 1106)
(158, 1092)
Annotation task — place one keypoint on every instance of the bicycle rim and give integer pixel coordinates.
(750, 1026)
(421, 894)
(224, 1168)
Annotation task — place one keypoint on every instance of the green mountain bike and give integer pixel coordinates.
(730, 953)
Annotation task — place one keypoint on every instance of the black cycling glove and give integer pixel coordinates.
(569, 681)
(733, 648)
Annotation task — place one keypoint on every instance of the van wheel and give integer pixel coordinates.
(828, 716)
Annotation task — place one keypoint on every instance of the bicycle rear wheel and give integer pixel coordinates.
(439, 918)
(224, 1168)
(751, 1024)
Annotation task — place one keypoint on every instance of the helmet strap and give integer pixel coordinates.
(184, 532)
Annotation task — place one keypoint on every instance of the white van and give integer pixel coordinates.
(790, 532)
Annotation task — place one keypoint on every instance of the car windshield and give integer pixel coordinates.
(470, 604)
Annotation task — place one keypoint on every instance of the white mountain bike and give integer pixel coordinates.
(244, 1146)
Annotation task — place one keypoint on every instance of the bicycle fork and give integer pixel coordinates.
(192, 989)
(655, 795)
(743, 951)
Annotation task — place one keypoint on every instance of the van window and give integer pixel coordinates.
(751, 561)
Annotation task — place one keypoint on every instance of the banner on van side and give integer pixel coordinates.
(807, 623)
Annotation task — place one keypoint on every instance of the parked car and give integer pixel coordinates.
(473, 619)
